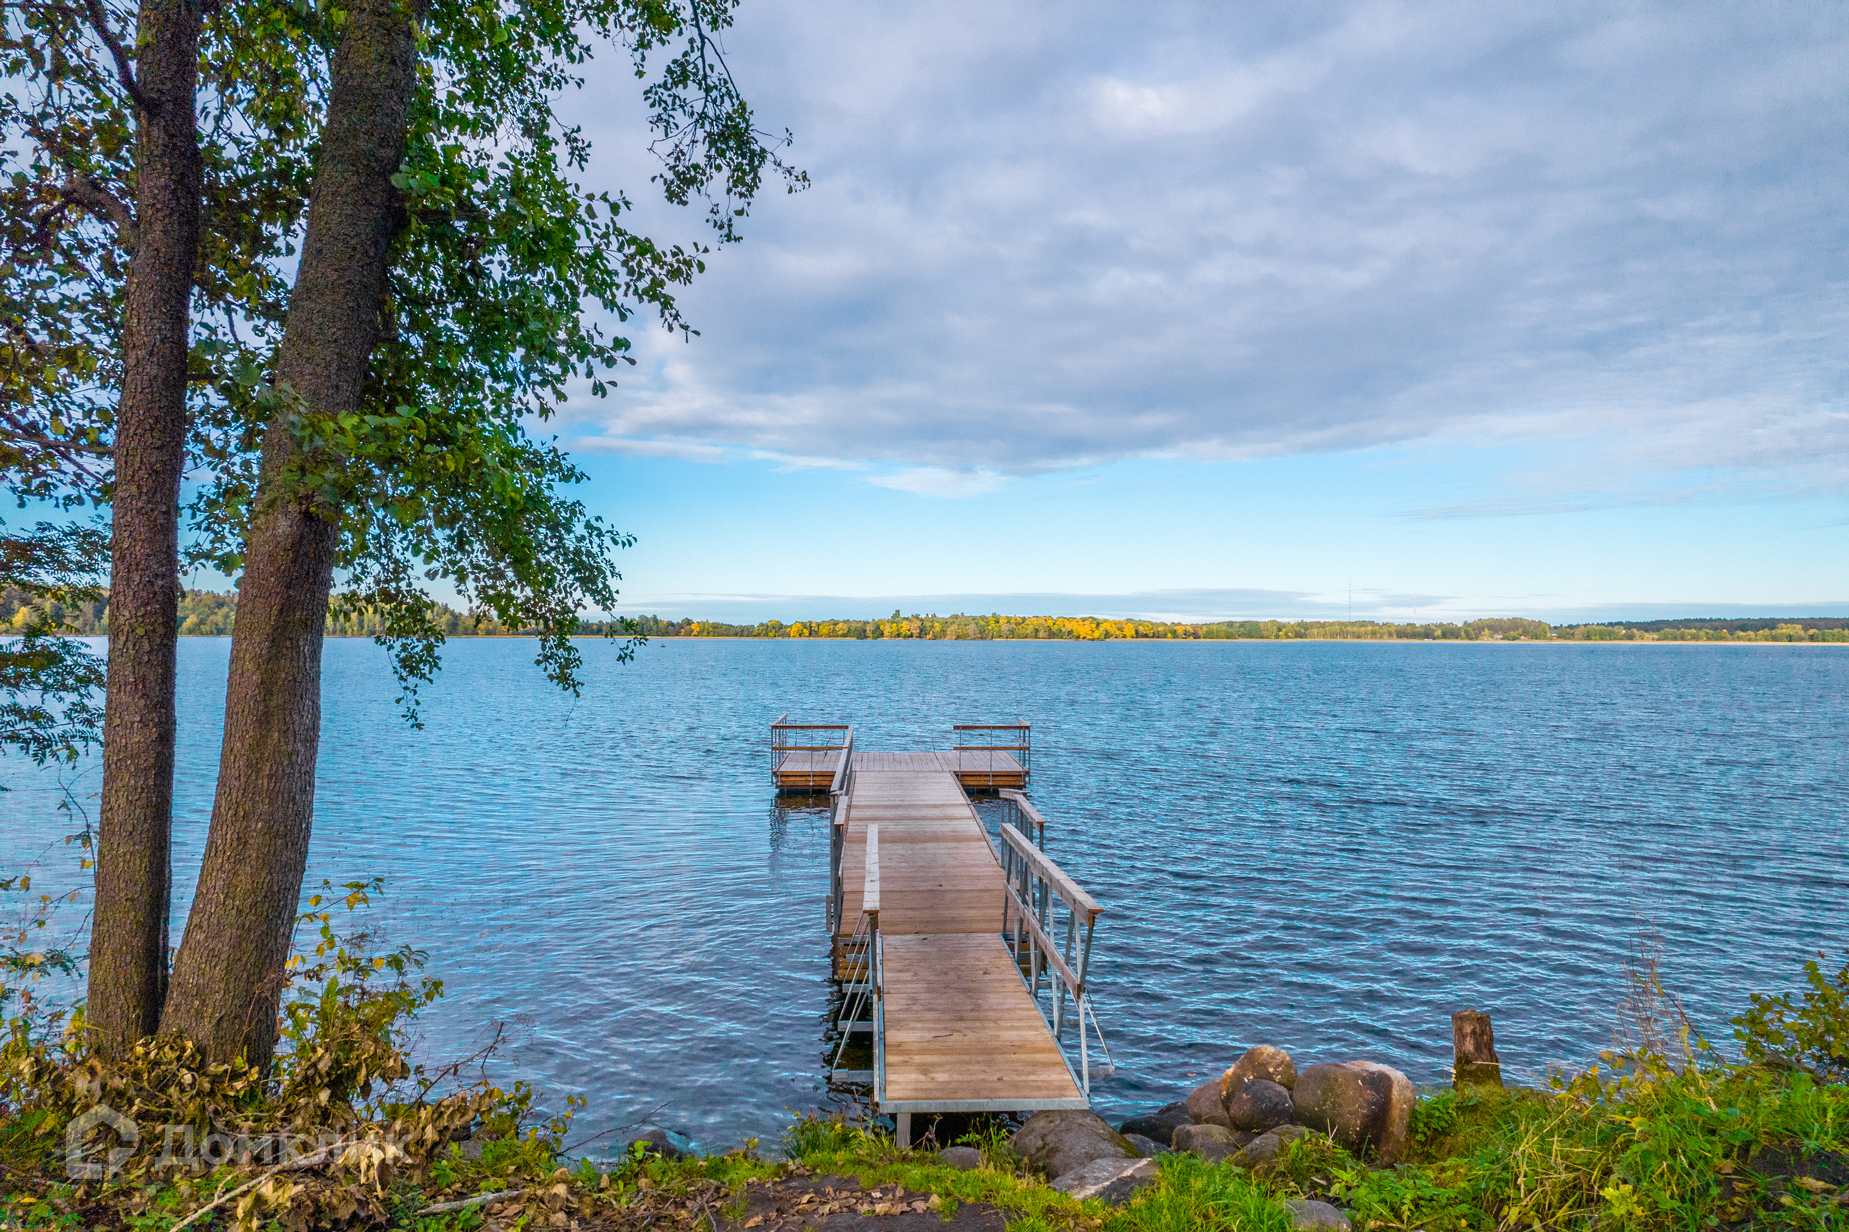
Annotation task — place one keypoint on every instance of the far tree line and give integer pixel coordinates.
(205, 613)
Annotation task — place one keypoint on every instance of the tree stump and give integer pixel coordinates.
(1474, 1044)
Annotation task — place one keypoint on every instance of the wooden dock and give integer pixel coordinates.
(944, 940)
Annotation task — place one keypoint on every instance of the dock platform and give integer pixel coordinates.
(943, 938)
(983, 756)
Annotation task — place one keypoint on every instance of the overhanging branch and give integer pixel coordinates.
(99, 22)
(87, 192)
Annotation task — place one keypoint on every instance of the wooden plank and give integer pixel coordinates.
(960, 1025)
(870, 884)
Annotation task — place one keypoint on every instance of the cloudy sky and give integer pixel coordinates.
(1208, 309)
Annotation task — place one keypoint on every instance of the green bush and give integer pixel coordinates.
(1815, 1037)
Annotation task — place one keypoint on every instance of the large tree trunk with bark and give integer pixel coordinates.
(128, 941)
(228, 975)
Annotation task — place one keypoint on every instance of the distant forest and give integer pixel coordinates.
(208, 614)
(1092, 629)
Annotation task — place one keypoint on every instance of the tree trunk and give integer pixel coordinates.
(1474, 1048)
(128, 941)
(228, 975)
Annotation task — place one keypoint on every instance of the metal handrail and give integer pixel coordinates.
(1033, 882)
(840, 784)
(865, 946)
(1024, 815)
(783, 744)
(879, 1018)
(870, 893)
(859, 958)
(838, 792)
(1021, 750)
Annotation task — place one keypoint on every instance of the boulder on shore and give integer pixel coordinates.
(1206, 1107)
(1160, 1124)
(1309, 1213)
(1363, 1105)
(1264, 1149)
(1264, 1061)
(655, 1142)
(1112, 1181)
(1208, 1141)
(1261, 1104)
(964, 1157)
(1396, 1134)
(1148, 1148)
(1066, 1139)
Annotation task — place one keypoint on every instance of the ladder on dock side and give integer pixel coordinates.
(964, 959)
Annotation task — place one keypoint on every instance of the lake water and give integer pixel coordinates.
(1326, 846)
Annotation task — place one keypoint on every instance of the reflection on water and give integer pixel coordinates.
(1329, 847)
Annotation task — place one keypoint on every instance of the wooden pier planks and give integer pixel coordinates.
(806, 771)
(815, 771)
(961, 1029)
(962, 1033)
(973, 768)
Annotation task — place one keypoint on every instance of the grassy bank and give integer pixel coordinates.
(1650, 1147)
(1647, 1146)
(345, 1133)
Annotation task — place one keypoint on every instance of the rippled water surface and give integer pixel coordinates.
(1326, 846)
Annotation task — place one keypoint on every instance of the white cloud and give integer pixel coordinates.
(937, 481)
(1044, 235)
(640, 448)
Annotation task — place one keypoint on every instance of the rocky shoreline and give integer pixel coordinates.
(1248, 1116)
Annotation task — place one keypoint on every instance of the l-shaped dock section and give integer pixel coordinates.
(964, 957)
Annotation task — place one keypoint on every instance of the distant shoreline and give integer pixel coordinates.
(209, 614)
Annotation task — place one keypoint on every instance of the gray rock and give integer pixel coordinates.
(1308, 1213)
(655, 1142)
(1396, 1133)
(964, 1157)
(1206, 1107)
(1160, 1124)
(1263, 1151)
(471, 1148)
(1364, 1106)
(1148, 1148)
(1065, 1139)
(1264, 1061)
(1207, 1141)
(1261, 1104)
(1110, 1180)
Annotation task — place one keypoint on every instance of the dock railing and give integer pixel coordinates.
(802, 756)
(1023, 816)
(838, 790)
(1037, 890)
(993, 754)
(863, 966)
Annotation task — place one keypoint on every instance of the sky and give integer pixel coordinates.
(1204, 310)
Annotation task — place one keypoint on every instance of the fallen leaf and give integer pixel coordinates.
(1813, 1184)
(754, 1221)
